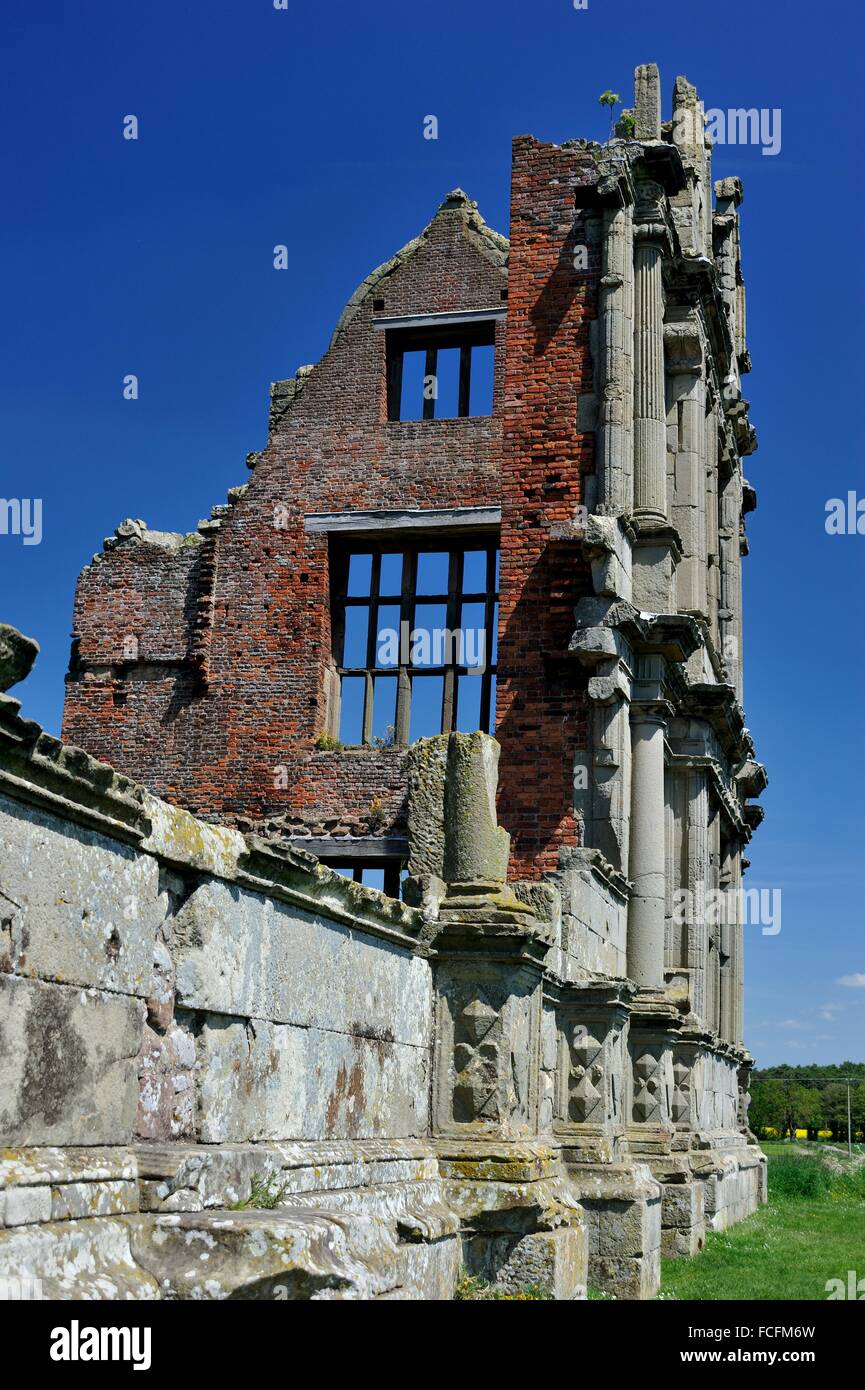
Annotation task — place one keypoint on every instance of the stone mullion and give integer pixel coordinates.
(487, 712)
(430, 374)
(453, 619)
(406, 615)
(371, 641)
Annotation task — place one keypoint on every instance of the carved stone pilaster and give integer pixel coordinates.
(743, 1077)
(687, 1055)
(590, 1104)
(654, 1030)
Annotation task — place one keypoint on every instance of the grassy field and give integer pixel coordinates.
(811, 1230)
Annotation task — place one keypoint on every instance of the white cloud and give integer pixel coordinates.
(852, 981)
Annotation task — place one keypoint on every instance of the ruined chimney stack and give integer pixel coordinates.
(647, 102)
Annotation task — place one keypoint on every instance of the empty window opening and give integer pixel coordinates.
(440, 373)
(415, 638)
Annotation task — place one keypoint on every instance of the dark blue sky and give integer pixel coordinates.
(304, 127)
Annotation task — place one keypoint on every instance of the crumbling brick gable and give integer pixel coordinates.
(247, 701)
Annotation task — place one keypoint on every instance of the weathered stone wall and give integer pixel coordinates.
(246, 1017)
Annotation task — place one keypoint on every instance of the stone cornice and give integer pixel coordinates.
(719, 706)
(594, 996)
(296, 877)
(672, 635)
(584, 859)
(720, 785)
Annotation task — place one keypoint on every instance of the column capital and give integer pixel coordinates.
(651, 234)
(655, 713)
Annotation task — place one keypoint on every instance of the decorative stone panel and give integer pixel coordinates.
(488, 1049)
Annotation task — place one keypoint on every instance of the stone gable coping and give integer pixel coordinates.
(58, 777)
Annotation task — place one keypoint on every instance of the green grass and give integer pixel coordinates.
(811, 1230)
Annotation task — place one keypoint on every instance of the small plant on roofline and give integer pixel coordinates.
(385, 740)
(610, 100)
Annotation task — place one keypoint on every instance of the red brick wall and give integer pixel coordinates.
(541, 691)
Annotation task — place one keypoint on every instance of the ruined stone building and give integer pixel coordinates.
(500, 1024)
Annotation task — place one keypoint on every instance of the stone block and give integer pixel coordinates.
(166, 1101)
(258, 1081)
(428, 1272)
(75, 1260)
(86, 907)
(268, 1255)
(631, 1228)
(682, 1204)
(17, 654)
(73, 1201)
(27, 1204)
(238, 953)
(554, 1260)
(67, 1064)
(629, 1277)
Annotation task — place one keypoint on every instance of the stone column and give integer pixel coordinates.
(698, 875)
(737, 952)
(615, 354)
(714, 929)
(647, 851)
(713, 557)
(650, 435)
(727, 952)
(686, 428)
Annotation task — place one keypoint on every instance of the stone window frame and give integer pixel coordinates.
(410, 546)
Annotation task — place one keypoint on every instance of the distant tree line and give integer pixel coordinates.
(787, 1098)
